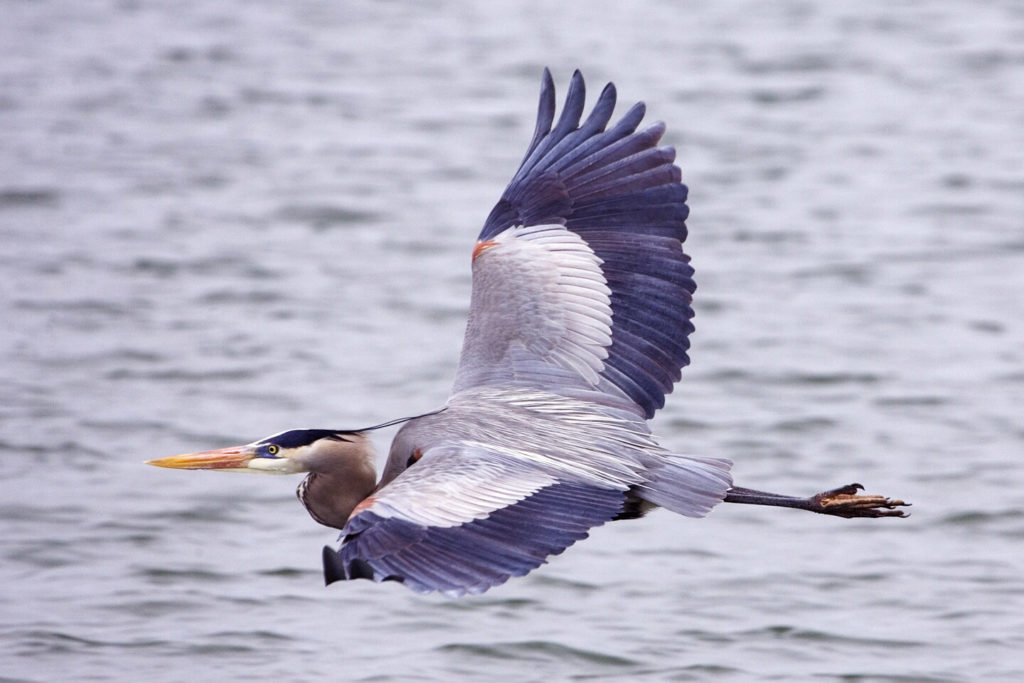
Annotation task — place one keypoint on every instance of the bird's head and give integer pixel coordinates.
(296, 450)
(340, 466)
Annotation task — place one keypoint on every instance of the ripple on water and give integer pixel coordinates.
(167, 576)
(28, 197)
(324, 216)
(803, 425)
(787, 632)
(42, 641)
(183, 375)
(538, 651)
(912, 401)
(1006, 523)
(155, 609)
(230, 265)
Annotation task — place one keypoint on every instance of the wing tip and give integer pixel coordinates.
(333, 570)
(336, 570)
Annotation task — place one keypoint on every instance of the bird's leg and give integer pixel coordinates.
(841, 502)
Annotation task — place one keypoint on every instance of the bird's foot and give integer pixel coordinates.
(846, 502)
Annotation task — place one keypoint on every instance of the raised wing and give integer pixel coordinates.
(579, 277)
(465, 519)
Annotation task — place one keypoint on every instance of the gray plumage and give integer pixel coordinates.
(578, 328)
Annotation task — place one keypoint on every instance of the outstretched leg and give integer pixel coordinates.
(842, 502)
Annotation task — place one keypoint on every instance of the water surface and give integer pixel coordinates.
(223, 220)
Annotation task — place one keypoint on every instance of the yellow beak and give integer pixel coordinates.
(235, 457)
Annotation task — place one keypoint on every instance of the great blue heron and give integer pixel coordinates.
(578, 327)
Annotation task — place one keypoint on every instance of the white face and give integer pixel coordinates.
(275, 464)
(275, 459)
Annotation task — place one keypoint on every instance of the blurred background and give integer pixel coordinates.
(219, 220)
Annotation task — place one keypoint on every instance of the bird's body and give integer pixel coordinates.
(578, 328)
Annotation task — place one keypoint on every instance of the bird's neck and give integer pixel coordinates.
(331, 497)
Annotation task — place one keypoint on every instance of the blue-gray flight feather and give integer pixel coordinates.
(621, 193)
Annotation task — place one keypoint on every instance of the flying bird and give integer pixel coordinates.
(579, 325)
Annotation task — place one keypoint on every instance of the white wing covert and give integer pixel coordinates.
(541, 310)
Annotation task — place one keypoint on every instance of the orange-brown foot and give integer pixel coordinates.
(846, 502)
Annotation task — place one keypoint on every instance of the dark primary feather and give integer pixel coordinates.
(475, 555)
(622, 194)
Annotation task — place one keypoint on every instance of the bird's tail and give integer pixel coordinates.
(688, 485)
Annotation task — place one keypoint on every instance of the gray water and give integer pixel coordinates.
(220, 220)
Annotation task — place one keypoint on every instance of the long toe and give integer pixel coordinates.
(846, 502)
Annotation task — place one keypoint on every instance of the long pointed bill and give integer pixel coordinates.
(235, 457)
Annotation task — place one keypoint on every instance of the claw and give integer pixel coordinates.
(845, 502)
(848, 490)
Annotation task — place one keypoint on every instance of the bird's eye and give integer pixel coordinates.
(273, 449)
